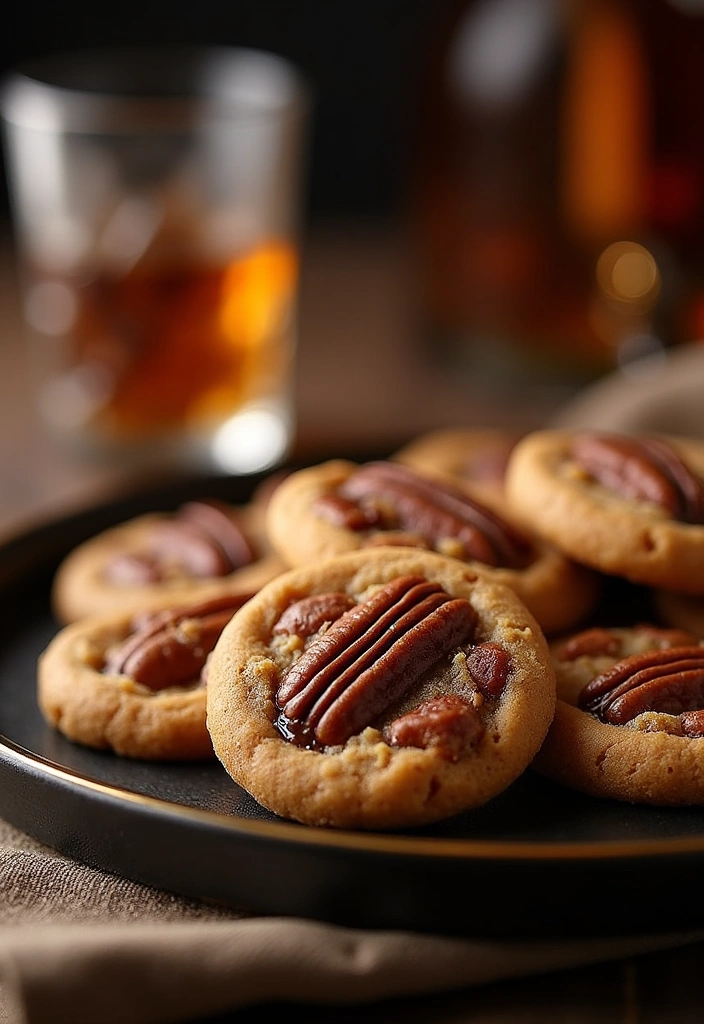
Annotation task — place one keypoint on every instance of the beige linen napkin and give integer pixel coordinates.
(78, 946)
(662, 392)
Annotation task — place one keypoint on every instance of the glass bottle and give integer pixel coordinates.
(556, 190)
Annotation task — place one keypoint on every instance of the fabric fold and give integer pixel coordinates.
(78, 945)
(165, 973)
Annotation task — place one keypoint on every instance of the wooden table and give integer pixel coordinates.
(363, 382)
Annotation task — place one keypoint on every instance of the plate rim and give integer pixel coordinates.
(373, 842)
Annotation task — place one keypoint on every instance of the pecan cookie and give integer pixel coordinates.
(474, 456)
(340, 506)
(134, 683)
(204, 547)
(627, 505)
(629, 722)
(379, 689)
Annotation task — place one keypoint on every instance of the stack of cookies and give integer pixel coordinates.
(386, 644)
(629, 722)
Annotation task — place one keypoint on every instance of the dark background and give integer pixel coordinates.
(361, 59)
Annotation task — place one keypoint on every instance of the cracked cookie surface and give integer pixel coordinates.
(379, 689)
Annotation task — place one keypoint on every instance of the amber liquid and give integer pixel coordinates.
(563, 221)
(166, 348)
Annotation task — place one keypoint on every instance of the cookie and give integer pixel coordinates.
(630, 506)
(134, 684)
(629, 721)
(340, 506)
(379, 689)
(476, 457)
(203, 548)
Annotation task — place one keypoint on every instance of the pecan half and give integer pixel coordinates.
(393, 497)
(371, 656)
(305, 617)
(589, 643)
(599, 641)
(215, 520)
(449, 723)
(645, 469)
(670, 681)
(692, 723)
(130, 568)
(489, 665)
(201, 538)
(342, 511)
(170, 648)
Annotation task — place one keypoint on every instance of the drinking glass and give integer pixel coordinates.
(157, 210)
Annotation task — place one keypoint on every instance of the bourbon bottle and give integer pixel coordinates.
(556, 199)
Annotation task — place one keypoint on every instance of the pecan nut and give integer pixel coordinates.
(216, 520)
(692, 723)
(489, 665)
(307, 616)
(170, 648)
(590, 643)
(342, 511)
(370, 657)
(449, 723)
(130, 569)
(644, 469)
(201, 538)
(669, 681)
(390, 496)
(599, 641)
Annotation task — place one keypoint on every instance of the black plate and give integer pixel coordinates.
(538, 860)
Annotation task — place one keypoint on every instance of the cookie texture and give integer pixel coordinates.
(474, 456)
(340, 506)
(203, 548)
(134, 684)
(378, 690)
(629, 720)
(630, 506)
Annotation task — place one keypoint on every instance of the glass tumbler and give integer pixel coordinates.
(157, 209)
